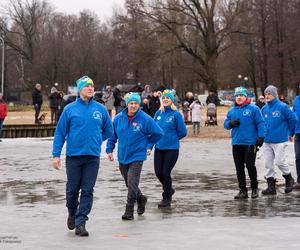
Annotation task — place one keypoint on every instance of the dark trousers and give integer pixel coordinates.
(54, 113)
(164, 162)
(196, 128)
(37, 108)
(244, 155)
(297, 155)
(1, 124)
(131, 174)
(82, 173)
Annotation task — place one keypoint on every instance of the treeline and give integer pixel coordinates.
(188, 44)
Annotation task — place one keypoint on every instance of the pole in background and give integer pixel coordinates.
(2, 74)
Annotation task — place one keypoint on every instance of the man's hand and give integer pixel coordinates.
(234, 123)
(259, 141)
(56, 163)
(148, 151)
(110, 157)
(291, 138)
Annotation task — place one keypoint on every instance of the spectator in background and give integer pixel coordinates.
(53, 103)
(196, 116)
(37, 101)
(147, 93)
(145, 106)
(60, 104)
(261, 102)
(176, 100)
(3, 113)
(98, 97)
(282, 99)
(118, 99)
(109, 100)
(154, 103)
(212, 98)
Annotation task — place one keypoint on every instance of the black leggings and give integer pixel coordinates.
(245, 156)
(164, 162)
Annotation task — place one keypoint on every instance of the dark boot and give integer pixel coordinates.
(141, 203)
(289, 183)
(71, 222)
(271, 189)
(243, 194)
(128, 215)
(254, 193)
(81, 231)
(166, 202)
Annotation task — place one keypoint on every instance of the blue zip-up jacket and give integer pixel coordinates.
(84, 126)
(251, 126)
(173, 126)
(280, 121)
(296, 109)
(133, 136)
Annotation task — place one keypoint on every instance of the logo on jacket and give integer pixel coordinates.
(170, 119)
(97, 115)
(276, 114)
(136, 126)
(247, 112)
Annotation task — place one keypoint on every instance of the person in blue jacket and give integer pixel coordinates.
(296, 109)
(84, 124)
(167, 148)
(280, 122)
(133, 129)
(248, 132)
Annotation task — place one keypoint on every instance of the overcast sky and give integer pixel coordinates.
(104, 8)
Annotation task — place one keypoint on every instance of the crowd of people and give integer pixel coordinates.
(151, 120)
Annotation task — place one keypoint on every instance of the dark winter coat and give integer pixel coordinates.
(37, 97)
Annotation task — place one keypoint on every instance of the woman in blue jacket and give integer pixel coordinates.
(248, 131)
(167, 148)
(134, 130)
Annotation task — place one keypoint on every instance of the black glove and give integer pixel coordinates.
(259, 142)
(234, 123)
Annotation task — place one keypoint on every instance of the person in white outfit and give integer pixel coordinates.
(196, 116)
(280, 124)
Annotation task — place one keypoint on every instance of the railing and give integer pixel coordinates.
(28, 130)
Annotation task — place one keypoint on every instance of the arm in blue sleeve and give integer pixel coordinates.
(107, 129)
(227, 121)
(61, 132)
(111, 142)
(181, 127)
(260, 123)
(151, 145)
(153, 131)
(291, 119)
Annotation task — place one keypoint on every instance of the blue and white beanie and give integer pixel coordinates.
(132, 97)
(83, 82)
(240, 91)
(168, 93)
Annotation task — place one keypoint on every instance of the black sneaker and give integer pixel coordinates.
(254, 193)
(71, 222)
(243, 194)
(81, 231)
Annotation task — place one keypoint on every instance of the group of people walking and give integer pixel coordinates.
(272, 126)
(85, 124)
